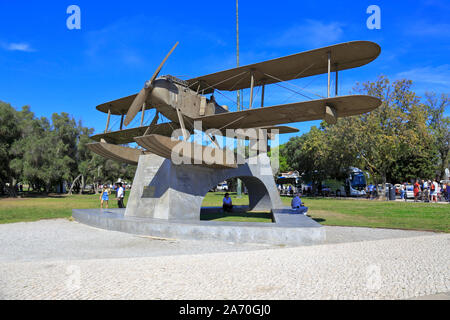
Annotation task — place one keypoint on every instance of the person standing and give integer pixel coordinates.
(422, 190)
(120, 195)
(448, 191)
(429, 198)
(434, 190)
(104, 196)
(416, 190)
(426, 192)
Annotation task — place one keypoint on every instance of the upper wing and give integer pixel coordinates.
(345, 55)
(289, 113)
(119, 106)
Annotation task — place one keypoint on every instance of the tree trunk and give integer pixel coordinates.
(313, 187)
(383, 187)
(443, 166)
(82, 184)
(11, 189)
(73, 184)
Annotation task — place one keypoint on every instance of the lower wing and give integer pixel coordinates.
(344, 106)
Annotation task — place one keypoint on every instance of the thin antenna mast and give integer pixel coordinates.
(239, 182)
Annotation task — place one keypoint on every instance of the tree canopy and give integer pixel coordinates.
(404, 139)
(45, 153)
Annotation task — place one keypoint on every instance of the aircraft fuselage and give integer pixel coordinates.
(167, 96)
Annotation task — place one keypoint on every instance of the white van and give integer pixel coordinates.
(222, 186)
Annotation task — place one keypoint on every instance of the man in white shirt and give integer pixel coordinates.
(120, 195)
(425, 191)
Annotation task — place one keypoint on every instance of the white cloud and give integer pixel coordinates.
(25, 47)
(431, 75)
(311, 33)
(423, 28)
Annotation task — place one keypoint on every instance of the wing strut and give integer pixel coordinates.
(107, 120)
(252, 84)
(143, 113)
(329, 73)
(262, 94)
(183, 128)
(151, 127)
(336, 84)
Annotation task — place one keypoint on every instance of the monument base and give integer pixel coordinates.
(286, 229)
(163, 190)
(166, 201)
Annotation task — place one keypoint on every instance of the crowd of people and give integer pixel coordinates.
(429, 191)
(371, 191)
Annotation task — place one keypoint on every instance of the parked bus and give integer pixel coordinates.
(353, 186)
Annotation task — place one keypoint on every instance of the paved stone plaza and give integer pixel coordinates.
(67, 260)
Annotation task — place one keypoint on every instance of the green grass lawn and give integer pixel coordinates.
(379, 214)
(327, 211)
(34, 207)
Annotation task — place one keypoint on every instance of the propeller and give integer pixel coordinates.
(143, 94)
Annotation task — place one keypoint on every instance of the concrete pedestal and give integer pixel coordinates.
(286, 229)
(166, 199)
(163, 190)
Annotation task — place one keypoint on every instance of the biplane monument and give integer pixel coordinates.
(174, 173)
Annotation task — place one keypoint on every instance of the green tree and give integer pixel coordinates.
(396, 142)
(31, 150)
(309, 154)
(393, 142)
(45, 155)
(440, 127)
(283, 165)
(9, 132)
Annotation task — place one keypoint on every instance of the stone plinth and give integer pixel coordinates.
(287, 229)
(163, 190)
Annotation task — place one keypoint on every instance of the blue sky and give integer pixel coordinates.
(120, 44)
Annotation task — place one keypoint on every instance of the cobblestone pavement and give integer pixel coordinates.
(58, 259)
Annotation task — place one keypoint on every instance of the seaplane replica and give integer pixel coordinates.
(184, 102)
